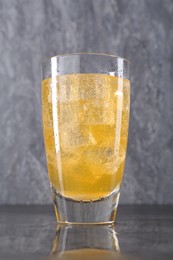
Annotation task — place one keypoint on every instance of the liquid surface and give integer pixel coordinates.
(85, 121)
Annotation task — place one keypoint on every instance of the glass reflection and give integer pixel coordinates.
(76, 242)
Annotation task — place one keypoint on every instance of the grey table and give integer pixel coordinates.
(141, 232)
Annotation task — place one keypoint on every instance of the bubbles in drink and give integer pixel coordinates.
(89, 123)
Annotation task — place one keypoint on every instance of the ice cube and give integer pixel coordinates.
(100, 112)
(68, 88)
(74, 135)
(91, 87)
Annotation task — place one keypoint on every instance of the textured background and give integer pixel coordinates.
(140, 30)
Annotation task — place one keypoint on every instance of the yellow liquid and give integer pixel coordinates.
(85, 121)
(88, 253)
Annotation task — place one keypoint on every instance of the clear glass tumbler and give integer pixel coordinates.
(85, 108)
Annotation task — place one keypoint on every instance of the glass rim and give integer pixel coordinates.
(84, 53)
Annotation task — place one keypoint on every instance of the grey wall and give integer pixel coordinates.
(140, 30)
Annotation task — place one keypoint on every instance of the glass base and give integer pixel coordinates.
(102, 211)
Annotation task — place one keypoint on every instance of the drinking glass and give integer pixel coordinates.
(85, 109)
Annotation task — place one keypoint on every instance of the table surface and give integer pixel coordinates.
(140, 232)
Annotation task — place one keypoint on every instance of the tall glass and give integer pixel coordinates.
(85, 108)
